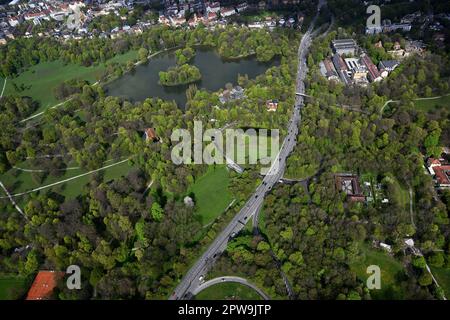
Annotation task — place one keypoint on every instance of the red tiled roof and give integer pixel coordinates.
(350, 185)
(150, 134)
(442, 174)
(212, 16)
(43, 285)
(431, 161)
(373, 71)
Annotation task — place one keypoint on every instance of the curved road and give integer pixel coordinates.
(240, 280)
(192, 280)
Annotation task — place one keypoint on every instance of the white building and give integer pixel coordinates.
(226, 12)
(213, 7)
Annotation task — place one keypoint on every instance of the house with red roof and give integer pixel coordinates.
(349, 184)
(150, 135)
(440, 170)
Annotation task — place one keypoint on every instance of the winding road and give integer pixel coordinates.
(240, 280)
(193, 278)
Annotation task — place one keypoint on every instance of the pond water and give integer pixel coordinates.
(143, 83)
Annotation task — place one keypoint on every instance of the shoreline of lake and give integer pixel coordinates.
(141, 82)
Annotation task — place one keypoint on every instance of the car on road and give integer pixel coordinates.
(201, 278)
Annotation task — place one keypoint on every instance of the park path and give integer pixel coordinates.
(93, 85)
(66, 180)
(3, 90)
(40, 170)
(42, 112)
(417, 99)
(12, 200)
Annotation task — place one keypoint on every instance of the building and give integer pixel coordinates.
(372, 71)
(349, 184)
(387, 66)
(150, 135)
(177, 21)
(188, 202)
(344, 46)
(440, 171)
(373, 30)
(442, 175)
(405, 27)
(431, 163)
(13, 21)
(43, 285)
(211, 16)
(356, 71)
(242, 7)
(386, 247)
(379, 44)
(226, 12)
(414, 47)
(235, 93)
(272, 105)
(213, 7)
(327, 69)
(439, 37)
(341, 68)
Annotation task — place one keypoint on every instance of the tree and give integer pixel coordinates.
(32, 263)
(419, 262)
(157, 212)
(143, 54)
(425, 279)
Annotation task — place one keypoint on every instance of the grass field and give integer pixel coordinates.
(40, 80)
(432, 104)
(20, 181)
(211, 193)
(12, 287)
(228, 290)
(442, 276)
(389, 266)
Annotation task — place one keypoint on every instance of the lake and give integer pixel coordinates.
(143, 83)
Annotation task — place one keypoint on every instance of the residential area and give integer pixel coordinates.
(49, 18)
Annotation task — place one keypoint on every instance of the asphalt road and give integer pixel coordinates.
(192, 280)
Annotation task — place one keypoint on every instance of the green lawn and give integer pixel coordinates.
(432, 104)
(442, 276)
(12, 287)
(390, 269)
(40, 80)
(227, 291)
(20, 181)
(211, 193)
